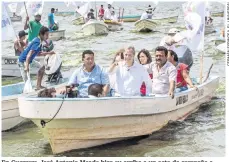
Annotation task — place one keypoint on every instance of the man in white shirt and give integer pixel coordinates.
(130, 76)
(164, 73)
(107, 13)
(183, 52)
(144, 15)
(113, 16)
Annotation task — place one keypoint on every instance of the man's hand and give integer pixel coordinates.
(171, 94)
(26, 69)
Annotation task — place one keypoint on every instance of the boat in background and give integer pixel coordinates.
(78, 21)
(130, 18)
(170, 19)
(217, 14)
(10, 66)
(64, 13)
(113, 25)
(16, 18)
(56, 35)
(146, 25)
(76, 123)
(95, 27)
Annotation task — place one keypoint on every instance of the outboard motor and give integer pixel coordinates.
(52, 68)
(52, 63)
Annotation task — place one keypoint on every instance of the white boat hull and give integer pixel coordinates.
(94, 27)
(10, 113)
(10, 66)
(145, 25)
(57, 35)
(88, 122)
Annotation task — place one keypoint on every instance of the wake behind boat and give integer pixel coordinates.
(95, 27)
(87, 122)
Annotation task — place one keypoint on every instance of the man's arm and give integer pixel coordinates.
(172, 81)
(26, 26)
(31, 52)
(106, 82)
(46, 53)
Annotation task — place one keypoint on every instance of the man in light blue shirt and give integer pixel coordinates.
(89, 73)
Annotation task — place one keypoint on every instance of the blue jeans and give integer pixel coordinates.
(180, 89)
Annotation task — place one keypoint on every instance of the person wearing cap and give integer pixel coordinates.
(107, 13)
(91, 15)
(34, 26)
(51, 23)
(183, 52)
(20, 44)
(27, 57)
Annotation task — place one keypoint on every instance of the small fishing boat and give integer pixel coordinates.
(131, 18)
(56, 35)
(95, 27)
(75, 123)
(222, 48)
(10, 109)
(171, 19)
(64, 13)
(16, 18)
(217, 14)
(78, 21)
(146, 25)
(113, 25)
(10, 66)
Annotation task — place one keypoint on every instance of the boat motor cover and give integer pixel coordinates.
(52, 63)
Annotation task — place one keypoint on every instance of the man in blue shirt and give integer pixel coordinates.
(28, 55)
(89, 73)
(51, 23)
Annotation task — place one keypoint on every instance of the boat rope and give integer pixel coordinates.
(43, 123)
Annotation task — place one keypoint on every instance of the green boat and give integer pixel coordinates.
(64, 13)
(131, 18)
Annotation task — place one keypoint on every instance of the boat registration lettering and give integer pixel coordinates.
(10, 61)
(181, 100)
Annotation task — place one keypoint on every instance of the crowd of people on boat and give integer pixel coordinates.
(168, 74)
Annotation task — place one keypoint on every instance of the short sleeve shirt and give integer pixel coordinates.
(35, 46)
(35, 26)
(85, 79)
(162, 78)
